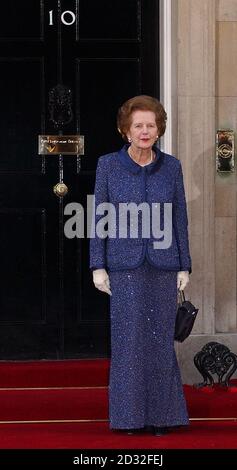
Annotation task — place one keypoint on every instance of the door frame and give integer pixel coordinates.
(169, 71)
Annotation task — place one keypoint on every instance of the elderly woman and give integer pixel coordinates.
(143, 277)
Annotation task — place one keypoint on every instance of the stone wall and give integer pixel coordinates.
(207, 100)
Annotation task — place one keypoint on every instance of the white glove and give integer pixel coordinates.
(101, 280)
(182, 279)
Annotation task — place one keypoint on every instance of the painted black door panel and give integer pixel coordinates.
(48, 305)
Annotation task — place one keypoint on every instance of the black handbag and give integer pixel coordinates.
(185, 318)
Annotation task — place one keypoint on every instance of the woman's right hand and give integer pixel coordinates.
(101, 280)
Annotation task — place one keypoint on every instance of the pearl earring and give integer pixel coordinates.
(129, 140)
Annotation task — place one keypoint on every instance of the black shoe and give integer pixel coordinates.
(127, 431)
(160, 431)
(133, 431)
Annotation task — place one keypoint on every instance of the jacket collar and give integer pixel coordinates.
(134, 167)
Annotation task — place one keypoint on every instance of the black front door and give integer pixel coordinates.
(104, 52)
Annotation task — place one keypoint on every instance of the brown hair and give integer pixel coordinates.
(140, 103)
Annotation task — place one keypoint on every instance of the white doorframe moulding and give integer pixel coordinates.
(168, 71)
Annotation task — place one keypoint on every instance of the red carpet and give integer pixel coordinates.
(208, 402)
(81, 373)
(72, 397)
(53, 404)
(200, 435)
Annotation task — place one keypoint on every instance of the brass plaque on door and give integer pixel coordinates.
(61, 144)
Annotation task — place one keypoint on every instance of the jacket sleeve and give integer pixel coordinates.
(180, 222)
(97, 244)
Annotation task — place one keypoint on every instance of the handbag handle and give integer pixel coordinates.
(181, 295)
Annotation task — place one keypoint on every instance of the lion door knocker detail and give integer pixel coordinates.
(60, 106)
(215, 358)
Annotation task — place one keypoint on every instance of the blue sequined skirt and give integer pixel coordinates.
(145, 384)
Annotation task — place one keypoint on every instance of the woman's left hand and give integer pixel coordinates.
(182, 279)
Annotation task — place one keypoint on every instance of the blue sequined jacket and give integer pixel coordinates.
(120, 179)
